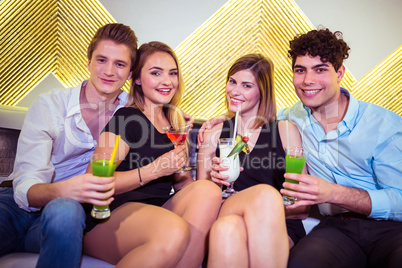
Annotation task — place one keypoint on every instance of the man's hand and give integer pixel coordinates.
(314, 190)
(207, 126)
(87, 188)
(310, 190)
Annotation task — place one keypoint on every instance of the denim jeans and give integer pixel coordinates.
(55, 232)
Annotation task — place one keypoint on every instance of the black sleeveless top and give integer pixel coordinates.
(264, 164)
(146, 144)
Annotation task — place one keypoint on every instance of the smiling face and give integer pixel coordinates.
(317, 84)
(243, 93)
(109, 68)
(159, 79)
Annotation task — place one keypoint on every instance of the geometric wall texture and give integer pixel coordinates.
(265, 27)
(39, 37)
(383, 84)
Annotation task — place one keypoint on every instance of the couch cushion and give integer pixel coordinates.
(8, 148)
(192, 154)
(28, 260)
(12, 117)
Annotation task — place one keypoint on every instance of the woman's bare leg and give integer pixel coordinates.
(228, 243)
(198, 204)
(139, 235)
(262, 209)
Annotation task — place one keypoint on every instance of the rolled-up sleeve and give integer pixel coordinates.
(33, 160)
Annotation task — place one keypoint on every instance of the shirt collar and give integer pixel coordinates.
(351, 114)
(74, 102)
(123, 98)
(348, 120)
(73, 107)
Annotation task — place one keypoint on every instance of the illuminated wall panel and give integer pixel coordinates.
(42, 36)
(238, 28)
(383, 84)
(39, 37)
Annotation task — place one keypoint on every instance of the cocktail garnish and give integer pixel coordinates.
(241, 145)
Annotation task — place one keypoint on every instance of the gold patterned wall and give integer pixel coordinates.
(383, 84)
(39, 37)
(249, 26)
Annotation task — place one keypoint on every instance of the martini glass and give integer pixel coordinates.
(177, 134)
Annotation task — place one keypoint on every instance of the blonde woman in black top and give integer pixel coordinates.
(149, 226)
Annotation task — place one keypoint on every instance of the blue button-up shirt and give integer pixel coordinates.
(364, 152)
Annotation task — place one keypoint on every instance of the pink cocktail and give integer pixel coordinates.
(177, 134)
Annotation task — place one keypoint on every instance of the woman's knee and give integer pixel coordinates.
(207, 193)
(207, 187)
(228, 226)
(201, 195)
(176, 239)
(264, 195)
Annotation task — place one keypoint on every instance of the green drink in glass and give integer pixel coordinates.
(295, 160)
(102, 167)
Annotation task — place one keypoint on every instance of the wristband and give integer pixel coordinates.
(139, 175)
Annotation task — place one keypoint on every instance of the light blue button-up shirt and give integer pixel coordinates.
(364, 152)
(55, 143)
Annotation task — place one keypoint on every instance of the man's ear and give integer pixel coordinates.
(130, 75)
(88, 64)
(341, 73)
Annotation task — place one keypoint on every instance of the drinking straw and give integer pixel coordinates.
(116, 144)
(235, 127)
(287, 135)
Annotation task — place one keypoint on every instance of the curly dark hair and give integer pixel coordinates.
(329, 46)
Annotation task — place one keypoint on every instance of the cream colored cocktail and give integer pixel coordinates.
(225, 147)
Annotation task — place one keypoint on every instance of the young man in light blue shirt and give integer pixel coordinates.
(354, 160)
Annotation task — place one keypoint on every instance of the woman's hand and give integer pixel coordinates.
(216, 177)
(208, 125)
(188, 118)
(171, 161)
(215, 174)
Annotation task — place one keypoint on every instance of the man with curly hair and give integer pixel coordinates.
(354, 160)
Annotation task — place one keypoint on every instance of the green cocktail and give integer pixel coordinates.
(101, 167)
(295, 161)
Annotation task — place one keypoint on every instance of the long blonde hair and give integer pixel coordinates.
(136, 95)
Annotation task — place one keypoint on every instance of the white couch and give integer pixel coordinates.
(29, 260)
(12, 119)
